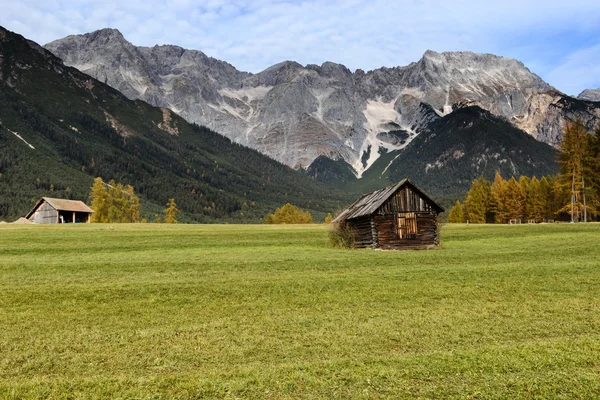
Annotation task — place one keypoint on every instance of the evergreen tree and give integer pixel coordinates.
(328, 218)
(171, 212)
(456, 215)
(514, 200)
(99, 198)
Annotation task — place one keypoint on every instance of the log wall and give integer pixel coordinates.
(387, 231)
(363, 231)
(381, 229)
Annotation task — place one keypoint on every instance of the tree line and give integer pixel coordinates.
(572, 195)
(117, 203)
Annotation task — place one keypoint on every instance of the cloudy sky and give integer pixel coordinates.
(558, 40)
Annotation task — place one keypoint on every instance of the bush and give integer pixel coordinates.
(289, 214)
(340, 235)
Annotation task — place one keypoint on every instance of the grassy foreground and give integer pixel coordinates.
(197, 311)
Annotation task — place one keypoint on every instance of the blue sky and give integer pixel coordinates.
(558, 40)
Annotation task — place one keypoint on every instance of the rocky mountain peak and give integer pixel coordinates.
(590, 95)
(295, 113)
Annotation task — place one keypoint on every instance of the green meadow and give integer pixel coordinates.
(151, 311)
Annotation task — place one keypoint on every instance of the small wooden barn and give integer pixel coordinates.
(59, 211)
(398, 217)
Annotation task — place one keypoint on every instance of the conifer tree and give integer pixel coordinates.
(478, 200)
(99, 198)
(525, 182)
(171, 212)
(547, 193)
(571, 160)
(328, 218)
(134, 204)
(514, 200)
(115, 204)
(118, 209)
(592, 173)
(456, 215)
(535, 201)
(499, 195)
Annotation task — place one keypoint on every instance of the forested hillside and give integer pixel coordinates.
(61, 128)
(466, 144)
(447, 155)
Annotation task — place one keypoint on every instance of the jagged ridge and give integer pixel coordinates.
(60, 128)
(295, 113)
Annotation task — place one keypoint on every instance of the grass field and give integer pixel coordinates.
(197, 311)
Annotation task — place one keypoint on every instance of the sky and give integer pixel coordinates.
(558, 40)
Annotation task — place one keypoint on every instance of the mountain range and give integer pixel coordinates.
(60, 128)
(176, 123)
(298, 114)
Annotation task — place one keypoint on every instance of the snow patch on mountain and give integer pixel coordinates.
(21, 137)
(379, 115)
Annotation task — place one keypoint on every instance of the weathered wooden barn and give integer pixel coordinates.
(398, 217)
(56, 211)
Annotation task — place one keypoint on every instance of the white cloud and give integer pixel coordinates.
(254, 34)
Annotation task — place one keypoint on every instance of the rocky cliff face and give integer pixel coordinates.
(296, 113)
(590, 95)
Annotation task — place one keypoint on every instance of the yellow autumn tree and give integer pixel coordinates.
(171, 212)
(571, 159)
(114, 203)
(499, 195)
(456, 214)
(514, 200)
(99, 197)
(289, 214)
(478, 201)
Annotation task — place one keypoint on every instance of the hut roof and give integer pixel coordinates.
(62, 205)
(369, 203)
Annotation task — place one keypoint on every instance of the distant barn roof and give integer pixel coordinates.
(63, 205)
(369, 203)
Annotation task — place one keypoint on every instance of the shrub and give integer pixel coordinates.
(289, 214)
(340, 235)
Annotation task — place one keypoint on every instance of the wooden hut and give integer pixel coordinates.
(59, 211)
(398, 217)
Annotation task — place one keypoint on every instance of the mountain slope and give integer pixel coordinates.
(468, 143)
(296, 113)
(448, 154)
(61, 128)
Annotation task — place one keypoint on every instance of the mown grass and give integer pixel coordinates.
(195, 311)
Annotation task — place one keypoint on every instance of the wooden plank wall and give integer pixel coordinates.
(381, 229)
(404, 200)
(427, 232)
(362, 231)
(45, 214)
